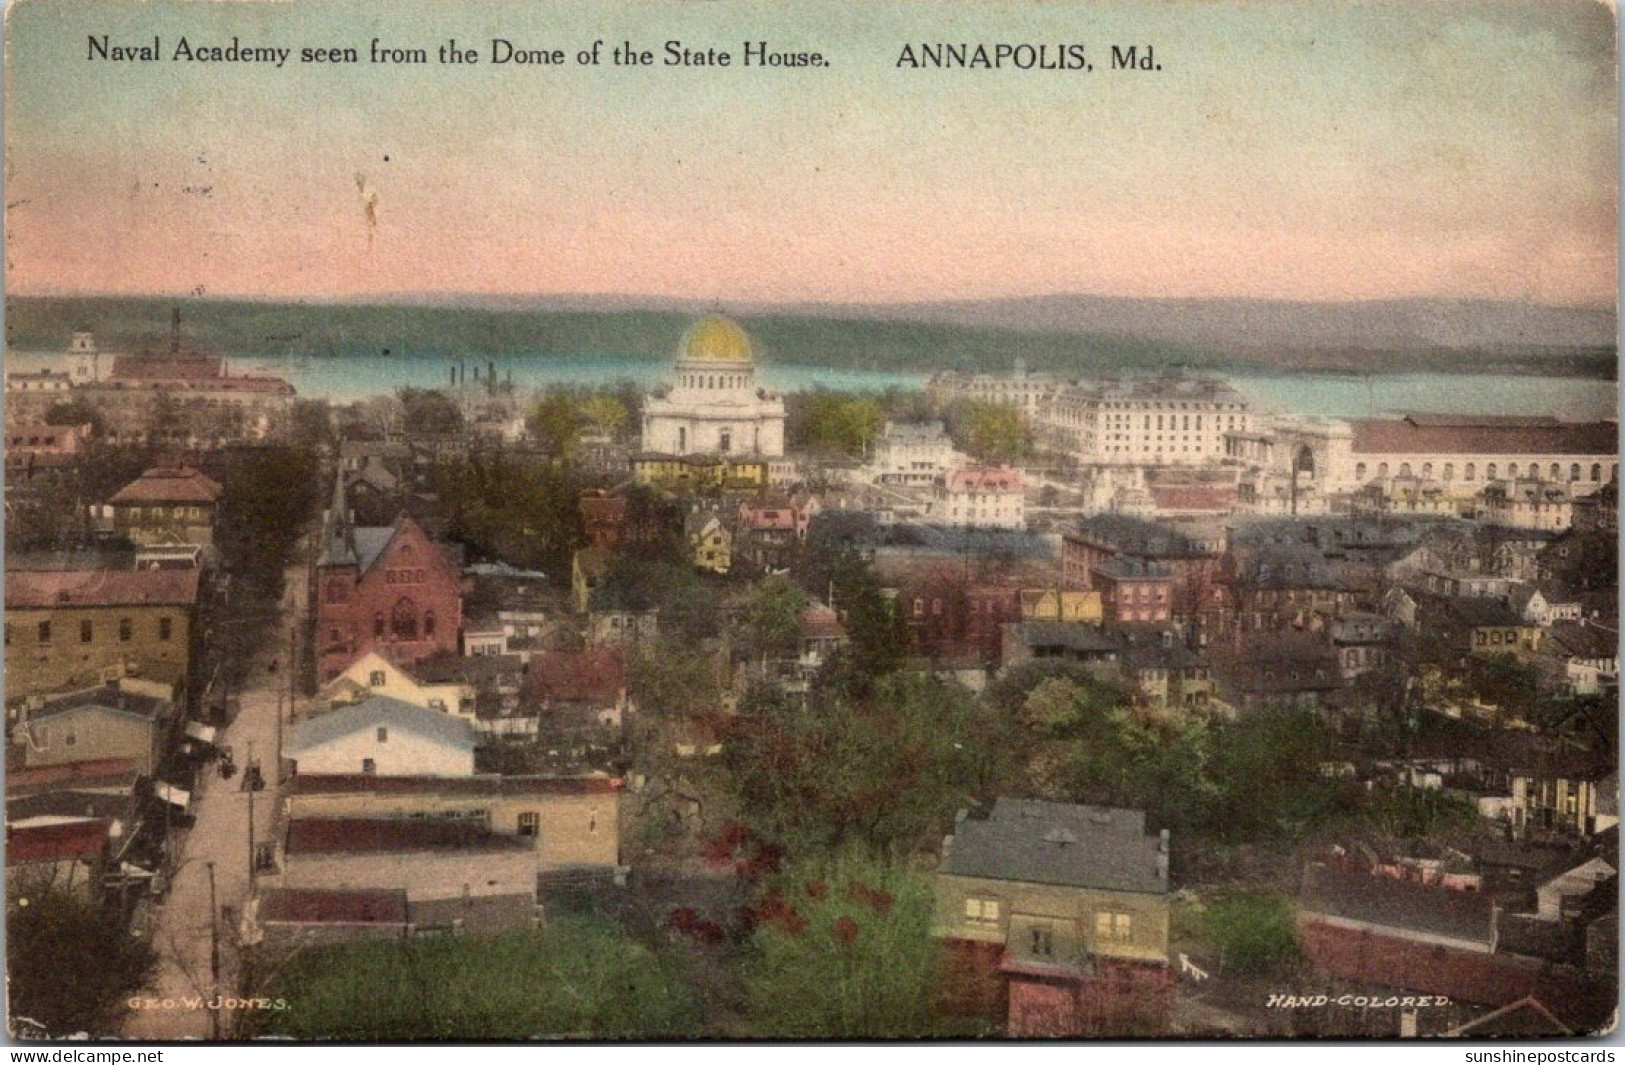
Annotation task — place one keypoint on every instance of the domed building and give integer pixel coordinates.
(713, 405)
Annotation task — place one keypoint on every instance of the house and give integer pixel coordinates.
(1480, 626)
(979, 497)
(1278, 587)
(294, 917)
(1133, 590)
(497, 682)
(384, 588)
(383, 735)
(572, 822)
(768, 533)
(1362, 641)
(1070, 904)
(1058, 604)
(621, 612)
(1160, 670)
(1579, 658)
(167, 505)
(819, 634)
(709, 540)
(1562, 793)
(1029, 641)
(37, 454)
(106, 789)
(1289, 669)
(1527, 504)
(912, 453)
(373, 674)
(696, 473)
(1193, 560)
(128, 719)
(457, 875)
(69, 629)
(579, 694)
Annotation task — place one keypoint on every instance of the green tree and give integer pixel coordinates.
(429, 411)
(70, 964)
(770, 622)
(886, 771)
(605, 412)
(1254, 933)
(577, 978)
(992, 432)
(843, 950)
(517, 509)
(833, 422)
(555, 424)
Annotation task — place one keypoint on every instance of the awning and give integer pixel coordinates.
(199, 731)
(172, 795)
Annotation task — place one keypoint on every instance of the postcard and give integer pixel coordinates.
(847, 521)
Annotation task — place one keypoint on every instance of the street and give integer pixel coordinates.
(216, 852)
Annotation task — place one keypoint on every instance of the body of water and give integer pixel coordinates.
(355, 376)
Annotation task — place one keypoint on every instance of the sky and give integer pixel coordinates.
(1318, 150)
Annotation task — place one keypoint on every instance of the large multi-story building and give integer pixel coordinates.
(979, 497)
(1170, 420)
(69, 629)
(913, 453)
(1026, 392)
(714, 405)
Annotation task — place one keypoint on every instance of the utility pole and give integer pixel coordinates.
(214, 951)
(248, 782)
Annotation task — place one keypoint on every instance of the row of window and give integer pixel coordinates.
(1554, 472)
(1108, 924)
(87, 630)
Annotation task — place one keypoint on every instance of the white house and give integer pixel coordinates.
(373, 674)
(383, 736)
(987, 497)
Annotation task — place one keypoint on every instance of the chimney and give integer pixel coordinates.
(947, 847)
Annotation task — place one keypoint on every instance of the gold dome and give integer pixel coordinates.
(715, 339)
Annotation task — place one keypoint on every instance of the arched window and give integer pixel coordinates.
(377, 625)
(1404, 469)
(1596, 471)
(1359, 472)
(428, 624)
(1427, 469)
(1489, 472)
(403, 620)
(1382, 469)
(1574, 472)
(1471, 472)
(1512, 469)
(1450, 471)
(1555, 472)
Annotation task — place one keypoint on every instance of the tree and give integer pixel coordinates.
(1253, 932)
(772, 617)
(992, 432)
(886, 771)
(842, 949)
(429, 412)
(77, 411)
(555, 424)
(515, 509)
(605, 412)
(71, 964)
(832, 422)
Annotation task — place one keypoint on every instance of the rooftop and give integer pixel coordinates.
(379, 710)
(169, 485)
(1034, 842)
(332, 906)
(1483, 434)
(27, 590)
(489, 784)
(1398, 904)
(309, 835)
(60, 842)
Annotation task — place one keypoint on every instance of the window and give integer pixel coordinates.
(1116, 926)
(369, 767)
(428, 623)
(126, 629)
(45, 632)
(1043, 942)
(404, 620)
(1471, 471)
(375, 679)
(87, 631)
(166, 628)
(1450, 471)
(1596, 471)
(1555, 473)
(982, 911)
(1359, 471)
(377, 625)
(1489, 472)
(1427, 469)
(1404, 469)
(8, 634)
(70, 739)
(530, 823)
(1382, 469)
(383, 734)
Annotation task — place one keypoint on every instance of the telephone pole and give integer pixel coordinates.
(214, 951)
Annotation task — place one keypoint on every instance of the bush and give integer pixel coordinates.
(1254, 933)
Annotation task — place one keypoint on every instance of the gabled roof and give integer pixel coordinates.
(104, 697)
(167, 485)
(100, 773)
(596, 674)
(1483, 434)
(380, 710)
(1033, 842)
(1072, 635)
(1129, 535)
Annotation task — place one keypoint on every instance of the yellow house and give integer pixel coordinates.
(710, 542)
(1059, 604)
(692, 473)
(1059, 886)
(588, 567)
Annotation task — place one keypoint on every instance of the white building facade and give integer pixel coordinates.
(714, 405)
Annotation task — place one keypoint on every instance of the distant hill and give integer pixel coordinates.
(1065, 333)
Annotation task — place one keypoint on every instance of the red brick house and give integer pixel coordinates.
(1132, 591)
(388, 589)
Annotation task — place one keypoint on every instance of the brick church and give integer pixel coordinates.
(386, 588)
